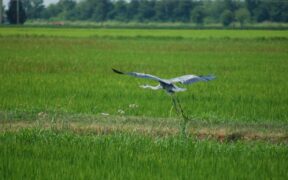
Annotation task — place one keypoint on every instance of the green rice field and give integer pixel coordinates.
(64, 114)
(45, 154)
(152, 33)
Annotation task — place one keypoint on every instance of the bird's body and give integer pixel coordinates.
(168, 84)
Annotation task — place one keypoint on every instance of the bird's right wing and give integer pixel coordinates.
(140, 75)
(188, 79)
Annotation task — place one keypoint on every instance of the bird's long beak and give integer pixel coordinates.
(116, 71)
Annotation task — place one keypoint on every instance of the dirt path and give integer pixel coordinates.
(153, 127)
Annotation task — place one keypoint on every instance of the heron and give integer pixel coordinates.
(169, 85)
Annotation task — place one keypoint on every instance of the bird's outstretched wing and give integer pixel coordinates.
(188, 79)
(141, 75)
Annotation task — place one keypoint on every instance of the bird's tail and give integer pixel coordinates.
(116, 71)
(208, 77)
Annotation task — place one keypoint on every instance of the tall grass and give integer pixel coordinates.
(41, 76)
(61, 155)
(48, 74)
(74, 75)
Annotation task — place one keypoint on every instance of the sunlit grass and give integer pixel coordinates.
(62, 155)
(56, 76)
(74, 75)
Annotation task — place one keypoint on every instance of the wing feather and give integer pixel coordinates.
(188, 79)
(141, 75)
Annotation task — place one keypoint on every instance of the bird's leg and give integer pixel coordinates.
(183, 124)
(181, 109)
(170, 112)
(175, 105)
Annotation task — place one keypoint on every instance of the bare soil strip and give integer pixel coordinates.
(154, 128)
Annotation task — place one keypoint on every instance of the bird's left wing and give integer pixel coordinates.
(140, 75)
(188, 79)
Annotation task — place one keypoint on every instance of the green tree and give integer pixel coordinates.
(251, 6)
(132, 9)
(120, 11)
(34, 8)
(51, 11)
(230, 5)
(85, 9)
(146, 10)
(12, 12)
(67, 9)
(165, 10)
(227, 18)
(182, 10)
(101, 10)
(1, 12)
(278, 10)
(242, 15)
(213, 10)
(160, 11)
(198, 15)
(262, 12)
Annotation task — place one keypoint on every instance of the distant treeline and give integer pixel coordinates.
(196, 11)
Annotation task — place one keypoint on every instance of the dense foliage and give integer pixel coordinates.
(196, 11)
(16, 13)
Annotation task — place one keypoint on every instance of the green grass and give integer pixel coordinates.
(74, 75)
(160, 33)
(152, 25)
(50, 75)
(61, 155)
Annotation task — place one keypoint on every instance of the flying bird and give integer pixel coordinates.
(168, 84)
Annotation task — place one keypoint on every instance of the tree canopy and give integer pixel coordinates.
(16, 13)
(196, 11)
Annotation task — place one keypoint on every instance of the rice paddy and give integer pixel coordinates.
(49, 75)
